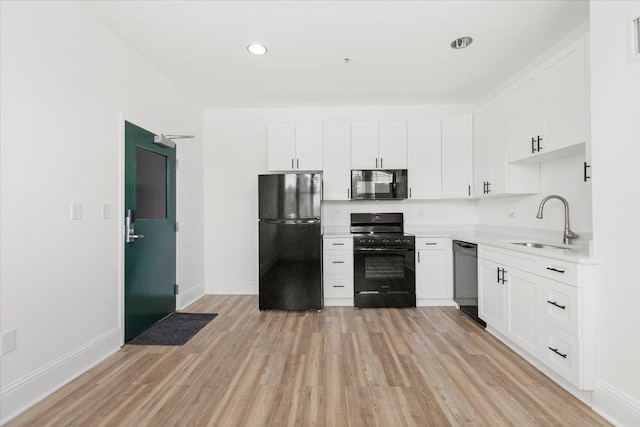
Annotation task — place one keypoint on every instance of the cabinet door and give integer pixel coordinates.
(457, 156)
(424, 148)
(309, 146)
(564, 99)
(336, 175)
(499, 158)
(523, 321)
(281, 146)
(525, 118)
(392, 145)
(431, 274)
(490, 295)
(364, 145)
(481, 151)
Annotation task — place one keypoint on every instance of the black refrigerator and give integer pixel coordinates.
(290, 241)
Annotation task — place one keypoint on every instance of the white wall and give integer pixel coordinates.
(416, 212)
(65, 81)
(615, 118)
(563, 177)
(235, 153)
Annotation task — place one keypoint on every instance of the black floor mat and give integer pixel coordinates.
(175, 329)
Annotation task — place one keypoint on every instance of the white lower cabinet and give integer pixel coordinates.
(551, 319)
(434, 285)
(490, 294)
(521, 310)
(337, 271)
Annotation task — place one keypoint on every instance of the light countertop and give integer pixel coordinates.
(495, 236)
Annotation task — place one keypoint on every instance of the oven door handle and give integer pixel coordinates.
(387, 250)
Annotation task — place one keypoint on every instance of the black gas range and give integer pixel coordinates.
(384, 261)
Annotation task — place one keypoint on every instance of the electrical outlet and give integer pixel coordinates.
(8, 341)
(106, 211)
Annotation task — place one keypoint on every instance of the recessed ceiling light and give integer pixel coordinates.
(257, 49)
(461, 43)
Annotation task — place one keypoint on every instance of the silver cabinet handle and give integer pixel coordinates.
(292, 163)
(409, 192)
(297, 163)
(376, 163)
(418, 256)
(338, 262)
(348, 193)
(338, 286)
(338, 244)
(381, 164)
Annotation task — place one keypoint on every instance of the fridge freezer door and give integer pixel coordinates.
(290, 266)
(289, 195)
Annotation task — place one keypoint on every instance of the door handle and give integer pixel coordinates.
(130, 227)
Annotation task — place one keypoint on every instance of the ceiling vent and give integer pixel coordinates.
(634, 40)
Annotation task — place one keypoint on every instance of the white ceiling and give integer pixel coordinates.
(399, 50)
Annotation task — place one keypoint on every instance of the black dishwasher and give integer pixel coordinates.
(465, 278)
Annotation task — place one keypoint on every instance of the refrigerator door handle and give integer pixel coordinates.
(291, 221)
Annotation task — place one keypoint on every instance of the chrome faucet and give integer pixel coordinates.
(568, 234)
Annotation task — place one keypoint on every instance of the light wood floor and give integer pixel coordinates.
(381, 367)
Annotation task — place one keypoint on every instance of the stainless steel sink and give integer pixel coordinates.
(538, 245)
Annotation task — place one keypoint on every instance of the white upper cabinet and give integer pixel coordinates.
(457, 157)
(526, 120)
(424, 159)
(564, 99)
(281, 146)
(547, 110)
(493, 175)
(294, 147)
(380, 145)
(481, 151)
(309, 146)
(336, 175)
(364, 145)
(392, 145)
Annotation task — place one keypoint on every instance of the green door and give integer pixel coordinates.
(150, 242)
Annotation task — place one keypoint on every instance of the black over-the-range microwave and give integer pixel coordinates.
(376, 184)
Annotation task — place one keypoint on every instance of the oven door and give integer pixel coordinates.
(384, 270)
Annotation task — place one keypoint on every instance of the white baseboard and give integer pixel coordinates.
(338, 302)
(190, 295)
(25, 392)
(615, 406)
(438, 302)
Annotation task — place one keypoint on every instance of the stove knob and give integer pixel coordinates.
(385, 240)
(398, 241)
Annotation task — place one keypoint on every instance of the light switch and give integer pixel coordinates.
(106, 211)
(76, 210)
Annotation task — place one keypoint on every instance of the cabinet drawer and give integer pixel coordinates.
(338, 243)
(338, 287)
(560, 352)
(337, 262)
(558, 270)
(430, 243)
(561, 306)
